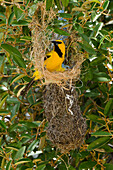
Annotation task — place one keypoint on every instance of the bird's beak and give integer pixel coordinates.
(54, 42)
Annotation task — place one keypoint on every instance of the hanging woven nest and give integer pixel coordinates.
(66, 125)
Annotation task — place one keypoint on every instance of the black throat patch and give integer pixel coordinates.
(58, 51)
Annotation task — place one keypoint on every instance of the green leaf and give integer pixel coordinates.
(87, 165)
(20, 153)
(91, 94)
(30, 124)
(57, 3)
(84, 36)
(17, 56)
(12, 50)
(8, 167)
(3, 100)
(32, 146)
(90, 1)
(2, 124)
(97, 61)
(96, 30)
(1, 35)
(102, 79)
(18, 13)
(108, 166)
(65, 15)
(22, 161)
(101, 133)
(32, 10)
(4, 112)
(26, 38)
(10, 18)
(49, 4)
(101, 76)
(19, 61)
(12, 128)
(95, 16)
(107, 45)
(17, 78)
(111, 90)
(103, 87)
(31, 98)
(108, 107)
(61, 32)
(87, 47)
(71, 168)
(106, 148)
(12, 100)
(65, 2)
(105, 5)
(41, 167)
(36, 103)
(20, 23)
(96, 118)
(98, 143)
(14, 110)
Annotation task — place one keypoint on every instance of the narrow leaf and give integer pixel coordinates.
(105, 5)
(41, 167)
(86, 46)
(97, 61)
(17, 56)
(20, 23)
(12, 50)
(101, 133)
(17, 78)
(108, 107)
(22, 161)
(18, 13)
(20, 153)
(8, 167)
(10, 18)
(90, 1)
(3, 101)
(65, 15)
(61, 32)
(98, 143)
(32, 145)
(49, 4)
(108, 166)
(2, 124)
(87, 165)
(96, 118)
(65, 2)
(97, 28)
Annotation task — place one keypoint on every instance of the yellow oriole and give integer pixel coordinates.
(54, 59)
(52, 62)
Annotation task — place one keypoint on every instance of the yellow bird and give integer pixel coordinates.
(54, 59)
(52, 62)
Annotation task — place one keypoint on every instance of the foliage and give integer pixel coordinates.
(22, 125)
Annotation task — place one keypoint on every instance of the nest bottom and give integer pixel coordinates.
(66, 132)
(66, 125)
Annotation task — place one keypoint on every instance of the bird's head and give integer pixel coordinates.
(59, 46)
